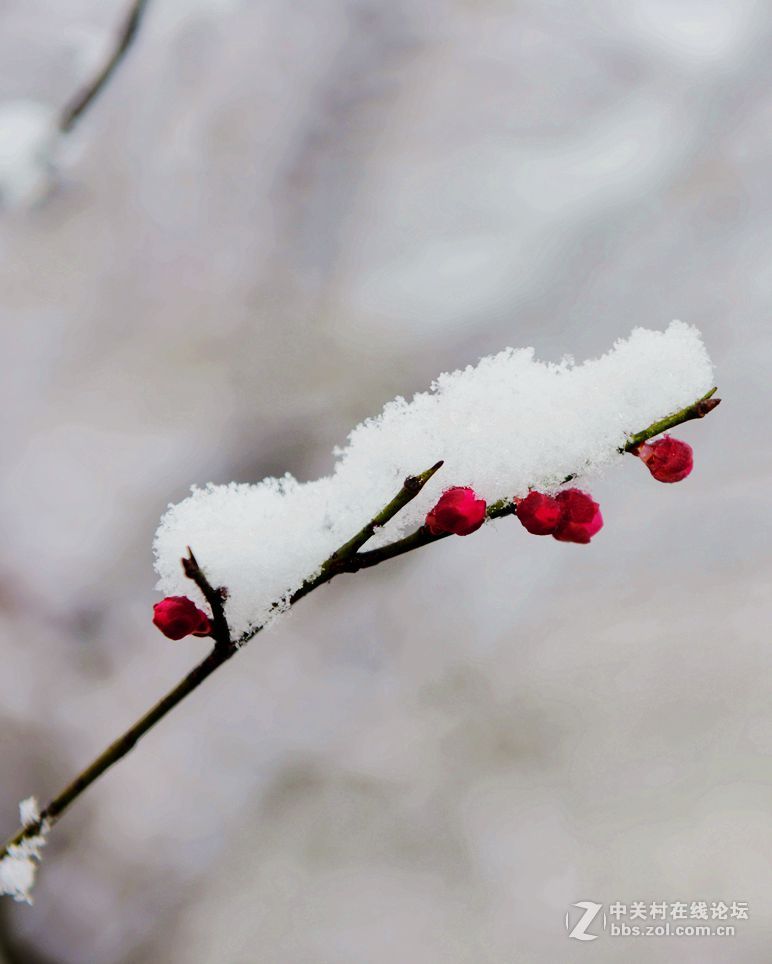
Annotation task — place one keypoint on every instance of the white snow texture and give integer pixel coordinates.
(28, 136)
(508, 424)
(18, 867)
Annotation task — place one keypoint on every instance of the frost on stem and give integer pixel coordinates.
(504, 426)
(19, 865)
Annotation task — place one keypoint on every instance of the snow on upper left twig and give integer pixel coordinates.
(28, 140)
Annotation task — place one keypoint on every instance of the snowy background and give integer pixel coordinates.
(277, 217)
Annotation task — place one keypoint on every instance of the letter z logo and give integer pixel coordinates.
(579, 930)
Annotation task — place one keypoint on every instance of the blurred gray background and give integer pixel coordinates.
(276, 217)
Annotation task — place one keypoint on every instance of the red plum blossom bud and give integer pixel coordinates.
(569, 516)
(581, 517)
(458, 511)
(539, 513)
(668, 459)
(178, 616)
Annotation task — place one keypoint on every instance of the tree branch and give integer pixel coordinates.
(702, 407)
(83, 98)
(348, 558)
(410, 489)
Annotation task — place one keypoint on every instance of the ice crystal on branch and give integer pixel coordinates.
(504, 426)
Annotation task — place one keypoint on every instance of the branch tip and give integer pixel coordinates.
(706, 405)
(414, 483)
(698, 409)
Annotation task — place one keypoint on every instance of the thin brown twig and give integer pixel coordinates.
(215, 597)
(410, 489)
(84, 97)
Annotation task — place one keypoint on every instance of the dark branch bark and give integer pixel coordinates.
(215, 597)
(84, 97)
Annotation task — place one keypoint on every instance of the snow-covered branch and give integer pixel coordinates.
(510, 433)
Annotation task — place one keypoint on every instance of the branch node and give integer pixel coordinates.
(412, 484)
(214, 596)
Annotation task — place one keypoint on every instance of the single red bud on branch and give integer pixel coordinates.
(539, 513)
(458, 511)
(581, 517)
(178, 616)
(668, 459)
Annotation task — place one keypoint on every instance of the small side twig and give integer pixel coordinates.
(410, 489)
(215, 597)
(84, 97)
(346, 558)
(699, 409)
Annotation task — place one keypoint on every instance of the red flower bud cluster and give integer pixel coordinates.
(178, 616)
(458, 511)
(668, 459)
(569, 516)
